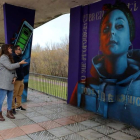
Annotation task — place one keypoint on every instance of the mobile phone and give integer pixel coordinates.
(24, 35)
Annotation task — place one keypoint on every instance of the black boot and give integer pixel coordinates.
(1, 117)
(14, 111)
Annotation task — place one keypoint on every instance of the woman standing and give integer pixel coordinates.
(7, 78)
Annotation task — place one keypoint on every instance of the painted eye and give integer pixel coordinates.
(106, 29)
(119, 27)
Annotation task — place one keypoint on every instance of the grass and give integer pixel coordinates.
(52, 87)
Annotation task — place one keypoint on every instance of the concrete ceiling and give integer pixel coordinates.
(46, 10)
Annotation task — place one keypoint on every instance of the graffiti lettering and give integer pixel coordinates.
(119, 98)
(83, 67)
(84, 48)
(103, 96)
(91, 17)
(138, 101)
(85, 18)
(130, 99)
(96, 16)
(132, 6)
(83, 78)
(99, 15)
(89, 91)
(110, 97)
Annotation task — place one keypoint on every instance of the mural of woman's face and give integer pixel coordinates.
(115, 34)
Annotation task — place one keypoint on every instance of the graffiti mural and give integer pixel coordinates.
(109, 60)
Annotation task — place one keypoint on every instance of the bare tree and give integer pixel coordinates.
(51, 60)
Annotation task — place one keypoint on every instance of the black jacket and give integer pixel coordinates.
(19, 71)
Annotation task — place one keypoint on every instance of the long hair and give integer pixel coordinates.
(4, 50)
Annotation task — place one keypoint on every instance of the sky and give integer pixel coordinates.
(52, 31)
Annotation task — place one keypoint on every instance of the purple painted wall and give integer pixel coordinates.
(13, 17)
(74, 51)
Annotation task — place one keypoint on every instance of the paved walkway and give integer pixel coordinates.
(49, 118)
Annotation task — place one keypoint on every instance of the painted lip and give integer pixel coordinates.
(112, 42)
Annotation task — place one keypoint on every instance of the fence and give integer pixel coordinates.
(52, 85)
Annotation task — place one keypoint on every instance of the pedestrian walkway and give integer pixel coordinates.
(49, 118)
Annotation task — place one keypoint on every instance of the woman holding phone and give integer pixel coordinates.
(7, 78)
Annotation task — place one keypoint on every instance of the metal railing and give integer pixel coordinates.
(52, 85)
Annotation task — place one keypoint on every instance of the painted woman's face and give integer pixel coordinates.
(115, 34)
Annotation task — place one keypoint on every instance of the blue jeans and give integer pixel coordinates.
(9, 98)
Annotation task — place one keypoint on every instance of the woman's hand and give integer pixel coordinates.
(14, 80)
(23, 62)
